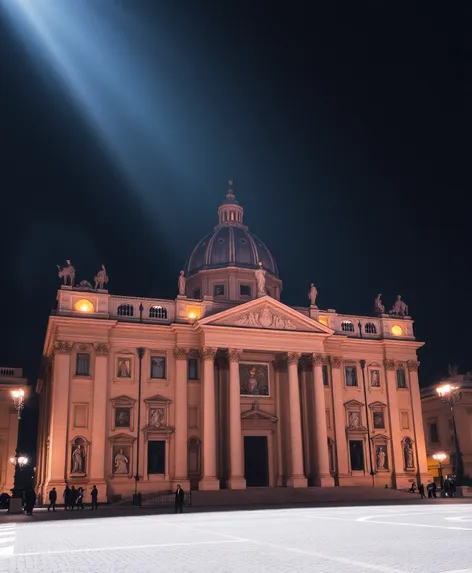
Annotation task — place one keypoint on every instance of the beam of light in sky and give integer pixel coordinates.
(92, 47)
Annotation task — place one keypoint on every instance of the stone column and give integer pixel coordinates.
(397, 452)
(322, 477)
(236, 477)
(209, 480)
(421, 463)
(97, 452)
(59, 458)
(181, 418)
(342, 451)
(297, 477)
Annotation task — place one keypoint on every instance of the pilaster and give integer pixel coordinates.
(99, 417)
(423, 475)
(209, 480)
(297, 477)
(342, 451)
(398, 477)
(236, 479)
(322, 476)
(181, 418)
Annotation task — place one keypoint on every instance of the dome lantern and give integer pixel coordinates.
(230, 211)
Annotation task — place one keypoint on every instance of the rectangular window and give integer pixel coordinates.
(219, 290)
(245, 290)
(356, 453)
(433, 433)
(158, 367)
(379, 420)
(82, 366)
(197, 293)
(401, 378)
(192, 369)
(324, 370)
(351, 375)
(156, 457)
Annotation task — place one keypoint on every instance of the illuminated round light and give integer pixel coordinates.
(83, 305)
(192, 315)
(397, 330)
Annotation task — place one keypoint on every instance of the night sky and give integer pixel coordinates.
(346, 131)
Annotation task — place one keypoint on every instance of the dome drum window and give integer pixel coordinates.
(157, 311)
(347, 326)
(125, 310)
(370, 328)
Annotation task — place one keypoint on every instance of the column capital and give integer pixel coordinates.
(101, 349)
(233, 354)
(336, 361)
(63, 347)
(208, 353)
(413, 365)
(180, 353)
(292, 357)
(318, 360)
(389, 364)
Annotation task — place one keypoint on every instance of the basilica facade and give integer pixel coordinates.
(225, 386)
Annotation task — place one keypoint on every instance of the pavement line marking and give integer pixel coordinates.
(127, 547)
(367, 520)
(460, 518)
(326, 557)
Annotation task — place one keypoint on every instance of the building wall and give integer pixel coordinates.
(435, 412)
(81, 409)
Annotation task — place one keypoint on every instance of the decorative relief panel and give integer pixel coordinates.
(62, 347)
(265, 318)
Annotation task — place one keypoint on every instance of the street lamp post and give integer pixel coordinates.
(18, 400)
(440, 457)
(450, 395)
(19, 462)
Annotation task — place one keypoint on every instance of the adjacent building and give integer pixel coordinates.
(225, 386)
(439, 427)
(11, 380)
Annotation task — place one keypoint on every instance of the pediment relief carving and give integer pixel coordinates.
(377, 405)
(255, 413)
(122, 439)
(123, 401)
(264, 318)
(353, 404)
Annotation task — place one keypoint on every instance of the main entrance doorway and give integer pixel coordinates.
(256, 461)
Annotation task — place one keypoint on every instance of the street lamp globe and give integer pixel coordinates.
(440, 457)
(18, 400)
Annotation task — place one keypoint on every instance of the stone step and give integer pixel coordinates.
(284, 495)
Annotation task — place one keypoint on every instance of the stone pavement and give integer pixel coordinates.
(424, 537)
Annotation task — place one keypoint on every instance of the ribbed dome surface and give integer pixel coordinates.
(230, 245)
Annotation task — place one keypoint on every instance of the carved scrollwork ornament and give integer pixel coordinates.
(208, 353)
(389, 364)
(318, 360)
(233, 354)
(336, 362)
(413, 365)
(63, 347)
(292, 357)
(180, 353)
(101, 349)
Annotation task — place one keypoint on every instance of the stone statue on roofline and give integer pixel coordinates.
(182, 282)
(67, 273)
(261, 280)
(101, 279)
(312, 294)
(379, 308)
(399, 308)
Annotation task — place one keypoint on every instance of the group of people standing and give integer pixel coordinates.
(73, 498)
(449, 488)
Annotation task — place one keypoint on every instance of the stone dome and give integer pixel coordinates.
(231, 244)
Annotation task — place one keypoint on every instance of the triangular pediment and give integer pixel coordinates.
(256, 414)
(377, 405)
(123, 401)
(158, 399)
(122, 438)
(353, 403)
(266, 313)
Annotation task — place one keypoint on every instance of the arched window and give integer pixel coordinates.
(157, 312)
(370, 328)
(347, 326)
(125, 310)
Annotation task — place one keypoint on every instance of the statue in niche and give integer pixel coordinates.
(67, 273)
(78, 458)
(261, 280)
(312, 294)
(101, 278)
(379, 308)
(381, 458)
(408, 453)
(121, 463)
(182, 283)
(124, 368)
(354, 420)
(399, 308)
(375, 378)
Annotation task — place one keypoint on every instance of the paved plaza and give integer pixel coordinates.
(429, 537)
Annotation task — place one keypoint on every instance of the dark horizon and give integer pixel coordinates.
(344, 132)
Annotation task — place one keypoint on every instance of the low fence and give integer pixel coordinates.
(163, 499)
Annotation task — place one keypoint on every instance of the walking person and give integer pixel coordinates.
(433, 489)
(52, 499)
(179, 499)
(30, 500)
(94, 494)
(73, 497)
(421, 490)
(79, 502)
(67, 498)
